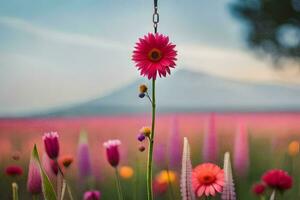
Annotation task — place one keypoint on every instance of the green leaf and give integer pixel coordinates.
(48, 189)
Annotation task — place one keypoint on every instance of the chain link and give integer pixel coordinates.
(155, 17)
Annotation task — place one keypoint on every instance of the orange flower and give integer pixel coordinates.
(66, 161)
(166, 176)
(207, 179)
(146, 131)
(293, 148)
(126, 172)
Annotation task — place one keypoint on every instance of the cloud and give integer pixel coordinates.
(59, 36)
(50, 72)
(227, 62)
(236, 64)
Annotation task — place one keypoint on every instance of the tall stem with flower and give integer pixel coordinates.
(113, 157)
(153, 55)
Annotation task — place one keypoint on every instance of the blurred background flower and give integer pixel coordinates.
(126, 172)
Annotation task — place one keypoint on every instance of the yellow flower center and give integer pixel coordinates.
(155, 54)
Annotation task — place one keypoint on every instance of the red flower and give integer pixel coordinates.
(14, 170)
(66, 161)
(154, 54)
(278, 179)
(258, 188)
(160, 188)
(207, 179)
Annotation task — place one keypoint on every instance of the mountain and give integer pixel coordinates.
(188, 91)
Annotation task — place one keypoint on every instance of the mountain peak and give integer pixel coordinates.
(190, 91)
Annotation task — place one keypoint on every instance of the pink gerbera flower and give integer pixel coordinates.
(207, 179)
(154, 54)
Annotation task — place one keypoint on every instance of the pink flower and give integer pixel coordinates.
(112, 152)
(34, 181)
(49, 166)
(207, 179)
(51, 144)
(14, 170)
(278, 179)
(154, 54)
(91, 195)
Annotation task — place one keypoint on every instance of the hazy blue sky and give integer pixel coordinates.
(54, 53)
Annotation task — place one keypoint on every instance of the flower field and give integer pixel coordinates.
(257, 142)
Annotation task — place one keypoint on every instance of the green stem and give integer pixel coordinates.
(262, 197)
(15, 191)
(119, 187)
(35, 197)
(170, 184)
(150, 150)
(136, 180)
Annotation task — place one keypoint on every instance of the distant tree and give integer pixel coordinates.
(273, 26)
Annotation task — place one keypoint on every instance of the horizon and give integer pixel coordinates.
(124, 100)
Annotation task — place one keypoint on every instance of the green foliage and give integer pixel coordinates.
(273, 26)
(48, 189)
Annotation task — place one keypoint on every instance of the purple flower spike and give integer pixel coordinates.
(34, 181)
(83, 156)
(210, 148)
(51, 144)
(112, 152)
(141, 137)
(241, 150)
(175, 145)
(91, 195)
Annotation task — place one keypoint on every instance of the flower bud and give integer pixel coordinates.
(141, 148)
(112, 152)
(141, 137)
(51, 144)
(91, 195)
(143, 88)
(142, 95)
(16, 155)
(258, 189)
(146, 131)
(54, 167)
(66, 161)
(34, 181)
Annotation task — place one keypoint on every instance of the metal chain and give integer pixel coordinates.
(155, 17)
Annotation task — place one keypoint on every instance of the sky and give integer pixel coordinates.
(56, 53)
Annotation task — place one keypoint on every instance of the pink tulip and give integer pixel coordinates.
(34, 181)
(51, 144)
(112, 152)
